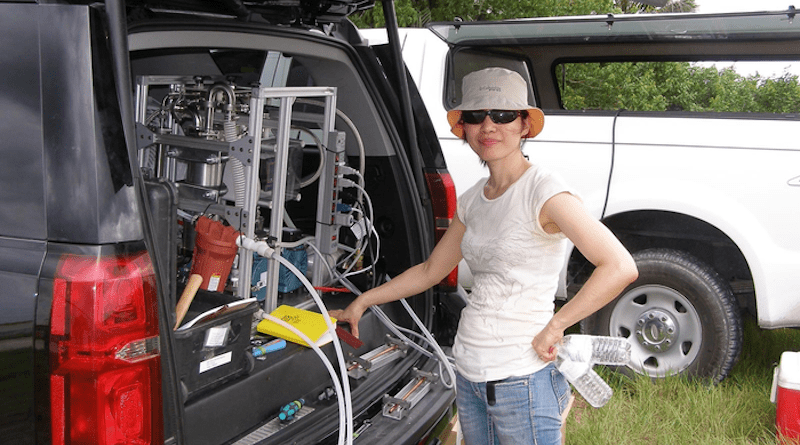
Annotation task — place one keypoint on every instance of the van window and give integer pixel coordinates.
(727, 86)
(464, 62)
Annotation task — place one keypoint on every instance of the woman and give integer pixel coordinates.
(512, 229)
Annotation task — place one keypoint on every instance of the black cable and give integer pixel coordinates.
(613, 157)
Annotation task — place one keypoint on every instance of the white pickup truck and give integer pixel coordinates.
(708, 203)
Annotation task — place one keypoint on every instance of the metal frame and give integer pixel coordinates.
(248, 150)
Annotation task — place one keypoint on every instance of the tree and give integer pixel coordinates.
(633, 7)
(674, 86)
(778, 95)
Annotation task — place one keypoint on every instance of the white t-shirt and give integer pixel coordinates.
(515, 265)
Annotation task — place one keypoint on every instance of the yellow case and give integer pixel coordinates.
(310, 323)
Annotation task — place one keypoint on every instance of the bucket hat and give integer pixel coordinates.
(495, 89)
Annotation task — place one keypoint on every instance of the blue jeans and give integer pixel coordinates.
(527, 409)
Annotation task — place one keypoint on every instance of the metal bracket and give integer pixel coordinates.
(398, 406)
(379, 357)
(243, 149)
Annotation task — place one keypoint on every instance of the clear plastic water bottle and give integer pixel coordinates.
(577, 354)
(583, 378)
(596, 349)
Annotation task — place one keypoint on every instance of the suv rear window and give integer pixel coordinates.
(721, 86)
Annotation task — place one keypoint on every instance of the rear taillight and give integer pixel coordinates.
(443, 198)
(105, 382)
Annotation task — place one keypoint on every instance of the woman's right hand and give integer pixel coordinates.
(351, 315)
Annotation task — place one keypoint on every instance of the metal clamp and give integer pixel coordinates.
(379, 357)
(398, 406)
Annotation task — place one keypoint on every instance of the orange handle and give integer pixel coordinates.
(195, 280)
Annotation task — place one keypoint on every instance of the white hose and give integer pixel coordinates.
(263, 249)
(336, 384)
(318, 172)
(229, 130)
(444, 360)
(434, 344)
(352, 125)
(239, 180)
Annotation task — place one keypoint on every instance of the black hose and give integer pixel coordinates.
(392, 31)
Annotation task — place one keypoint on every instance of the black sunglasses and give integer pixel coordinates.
(497, 116)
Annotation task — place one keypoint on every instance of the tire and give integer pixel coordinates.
(680, 317)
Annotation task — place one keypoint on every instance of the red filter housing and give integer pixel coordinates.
(214, 251)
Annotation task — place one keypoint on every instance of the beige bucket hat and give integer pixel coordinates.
(495, 89)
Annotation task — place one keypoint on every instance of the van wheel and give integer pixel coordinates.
(680, 317)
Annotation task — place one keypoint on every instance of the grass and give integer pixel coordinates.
(678, 411)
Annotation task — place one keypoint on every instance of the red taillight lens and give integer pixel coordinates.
(443, 197)
(105, 380)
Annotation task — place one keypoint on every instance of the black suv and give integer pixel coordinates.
(135, 135)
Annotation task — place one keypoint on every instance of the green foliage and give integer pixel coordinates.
(409, 13)
(611, 86)
(634, 7)
(673, 86)
(781, 95)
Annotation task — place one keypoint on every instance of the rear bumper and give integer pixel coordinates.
(413, 428)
